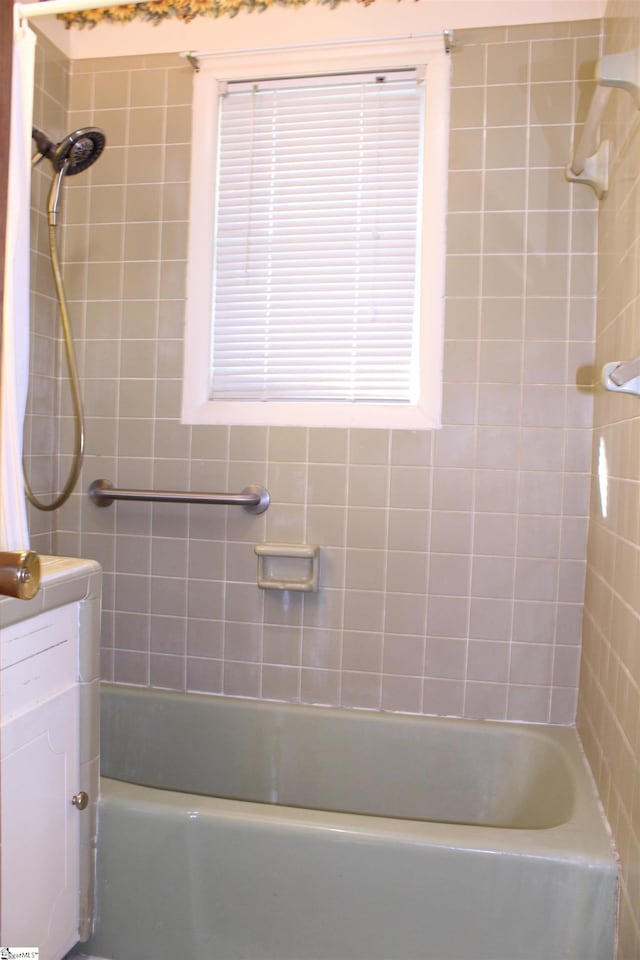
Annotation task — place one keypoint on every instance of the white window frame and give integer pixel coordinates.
(426, 54)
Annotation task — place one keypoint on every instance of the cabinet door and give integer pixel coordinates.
(41, 827)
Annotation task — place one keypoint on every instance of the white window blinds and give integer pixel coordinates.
(317, 216)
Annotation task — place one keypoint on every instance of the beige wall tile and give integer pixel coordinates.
(470, 64)
(497, 447)
(402, 693)
(506, 147)
(503, 233)
(328, 445)
(500, 361)
(449, 575)
(499, 404)
(548, 232)
(103, 242)
(204, 676)
(452, 490)
(281, 683)
(552, 103)
(465, 191)
(405, 613)
(406, 572)
(490, 619)
(460, 361)
(467, 107)
(167, 671)
(146, 130)
(204, 638)
(464, 232)
(131, 667)
(444, 697)
(487, 660)
(508, 104)
(507, 63)
(411, 448)
(455, 447)
(466, 149)
(145, 164)
(496, 491)
(494, 534)
(525, 703)
(549, 146)
(483, 698)
(501, 318)
(365, 569)
(369, 446)
(552, 60)
(361, 690)
(505, 190)
(242, 679)
(451, 532)
(320, 686)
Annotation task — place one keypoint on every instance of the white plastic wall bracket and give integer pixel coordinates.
(629, 386)
(621, 70)
(595, 173)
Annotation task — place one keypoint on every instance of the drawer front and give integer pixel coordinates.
(38, 660)
(30, 637)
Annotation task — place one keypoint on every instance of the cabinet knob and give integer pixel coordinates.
(81, 800)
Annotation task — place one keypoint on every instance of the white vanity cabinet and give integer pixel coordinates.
(48, 746)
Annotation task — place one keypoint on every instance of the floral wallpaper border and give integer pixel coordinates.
(185, 10)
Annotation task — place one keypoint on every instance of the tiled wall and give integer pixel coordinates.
(609, 708)
(452, 562)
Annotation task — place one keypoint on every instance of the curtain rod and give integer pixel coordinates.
(26, 11)
(194, 57)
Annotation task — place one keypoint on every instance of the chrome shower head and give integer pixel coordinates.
(78, 151)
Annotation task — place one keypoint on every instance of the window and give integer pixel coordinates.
(316, 250)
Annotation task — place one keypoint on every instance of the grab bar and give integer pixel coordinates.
(590, 162)
(622, 376)
(254, 498)
(588, 143)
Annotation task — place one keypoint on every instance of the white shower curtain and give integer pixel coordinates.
(14, 371)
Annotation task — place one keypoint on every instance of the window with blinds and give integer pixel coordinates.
(316, 240)
(315, 274)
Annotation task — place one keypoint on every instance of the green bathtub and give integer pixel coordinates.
(236, 829)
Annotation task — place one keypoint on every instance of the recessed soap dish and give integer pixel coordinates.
(288, 566)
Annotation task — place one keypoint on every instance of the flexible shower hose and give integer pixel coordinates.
(74, 387)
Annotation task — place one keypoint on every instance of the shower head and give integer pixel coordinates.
(78, 151)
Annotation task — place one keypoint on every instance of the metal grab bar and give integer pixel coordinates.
(254, 498)
(588, 143)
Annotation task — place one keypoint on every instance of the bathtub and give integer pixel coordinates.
(236, 829)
